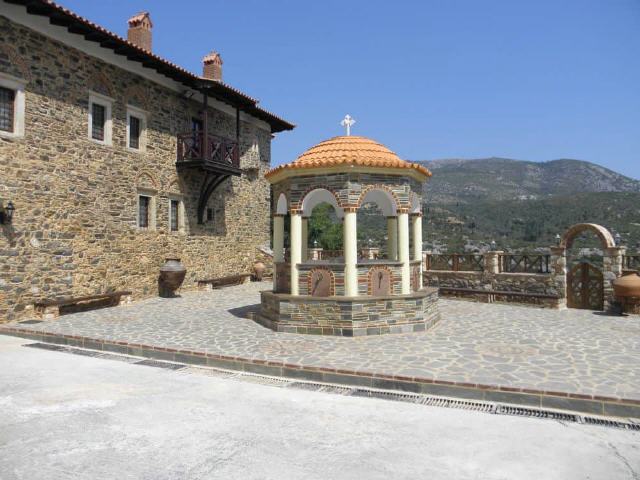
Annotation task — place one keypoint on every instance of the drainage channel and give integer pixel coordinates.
(416, 398)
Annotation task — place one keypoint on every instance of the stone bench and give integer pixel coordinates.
(48, 309)
(497, 295)
(211, 283)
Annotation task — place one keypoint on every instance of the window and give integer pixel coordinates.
(175, 209)
(100, 118)
(136, 129)
(144, 210)
(11, 106)
(134, 132)
(209, 214)
(7, 105)
(176, 215)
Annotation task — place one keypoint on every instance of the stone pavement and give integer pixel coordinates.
(574, 351)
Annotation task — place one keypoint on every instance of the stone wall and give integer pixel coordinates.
(353, 317)
(74, 230)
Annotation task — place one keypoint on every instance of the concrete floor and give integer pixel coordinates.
(67, 416)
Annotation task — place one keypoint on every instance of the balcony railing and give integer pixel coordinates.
(215, 153)
(631, 262)
(510, 263)
(455, 262)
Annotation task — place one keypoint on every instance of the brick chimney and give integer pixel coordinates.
(212, 66)
(139, 32)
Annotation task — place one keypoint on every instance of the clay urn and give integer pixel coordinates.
(258, 269)
(172, 275)
(628, 285)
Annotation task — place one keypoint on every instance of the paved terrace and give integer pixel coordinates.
(569, 353)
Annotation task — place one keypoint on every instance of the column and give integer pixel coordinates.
(305, 239)
(392, 238)
(558, 270)
(278, 246)
(403, 251)
(296, 249)
(611, 269)
(492, 261)
(416, 224)
(350, 252)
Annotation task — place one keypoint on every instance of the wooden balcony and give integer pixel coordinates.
(215, 154)
(215, 157)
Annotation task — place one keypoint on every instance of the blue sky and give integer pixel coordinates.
(532, 80)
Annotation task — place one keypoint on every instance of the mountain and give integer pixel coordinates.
(523, 205)
(457, 180)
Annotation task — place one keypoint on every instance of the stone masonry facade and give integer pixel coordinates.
(75, 230)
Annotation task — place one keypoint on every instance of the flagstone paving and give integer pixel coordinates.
(576, 351)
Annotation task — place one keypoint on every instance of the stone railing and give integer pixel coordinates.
(496, 276)
(631, 262)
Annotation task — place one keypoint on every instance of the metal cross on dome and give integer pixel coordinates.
(347, 122)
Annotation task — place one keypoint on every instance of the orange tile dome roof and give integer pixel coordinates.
(349, 150)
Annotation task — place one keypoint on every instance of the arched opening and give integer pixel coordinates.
(377, 225)
(584, 248)
(322, 226)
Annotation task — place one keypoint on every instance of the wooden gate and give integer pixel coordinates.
(585, 287)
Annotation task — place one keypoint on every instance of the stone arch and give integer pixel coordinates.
(17, 60)
(176, 186)
(602, 233)
(384, 198)
(319, 195)
(138, 96)
(391, 195)
(282, 205)
(148, 180)
(323, 288)
(100, 83)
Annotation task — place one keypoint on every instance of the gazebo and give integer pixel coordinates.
(348, 295)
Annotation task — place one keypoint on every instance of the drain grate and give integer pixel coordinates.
(118, 358)
(534, 412)
(46, 346)
(158, 364)
(386, 395)
(262, 380)
(313, 387)
(208, 372)
(605, 422)
(337, 390)
(30, 322)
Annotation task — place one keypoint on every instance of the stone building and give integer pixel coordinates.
(104, 158)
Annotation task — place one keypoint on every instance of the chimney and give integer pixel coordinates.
(212, 66)
(139, 32)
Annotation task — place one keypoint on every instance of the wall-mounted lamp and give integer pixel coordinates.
(6, 213)
(493, 245)
(558, 238)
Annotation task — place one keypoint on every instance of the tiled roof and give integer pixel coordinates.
(59, 15)
(349, 150)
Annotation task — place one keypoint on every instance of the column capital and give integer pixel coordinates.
(350, 209)
(279, 215)
(415, 214)
(557, 250)
(296, 211)
(401, 211)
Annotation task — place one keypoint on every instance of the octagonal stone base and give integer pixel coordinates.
(349, 316)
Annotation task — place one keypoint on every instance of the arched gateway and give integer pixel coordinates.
(349, 295)
(587, 286)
